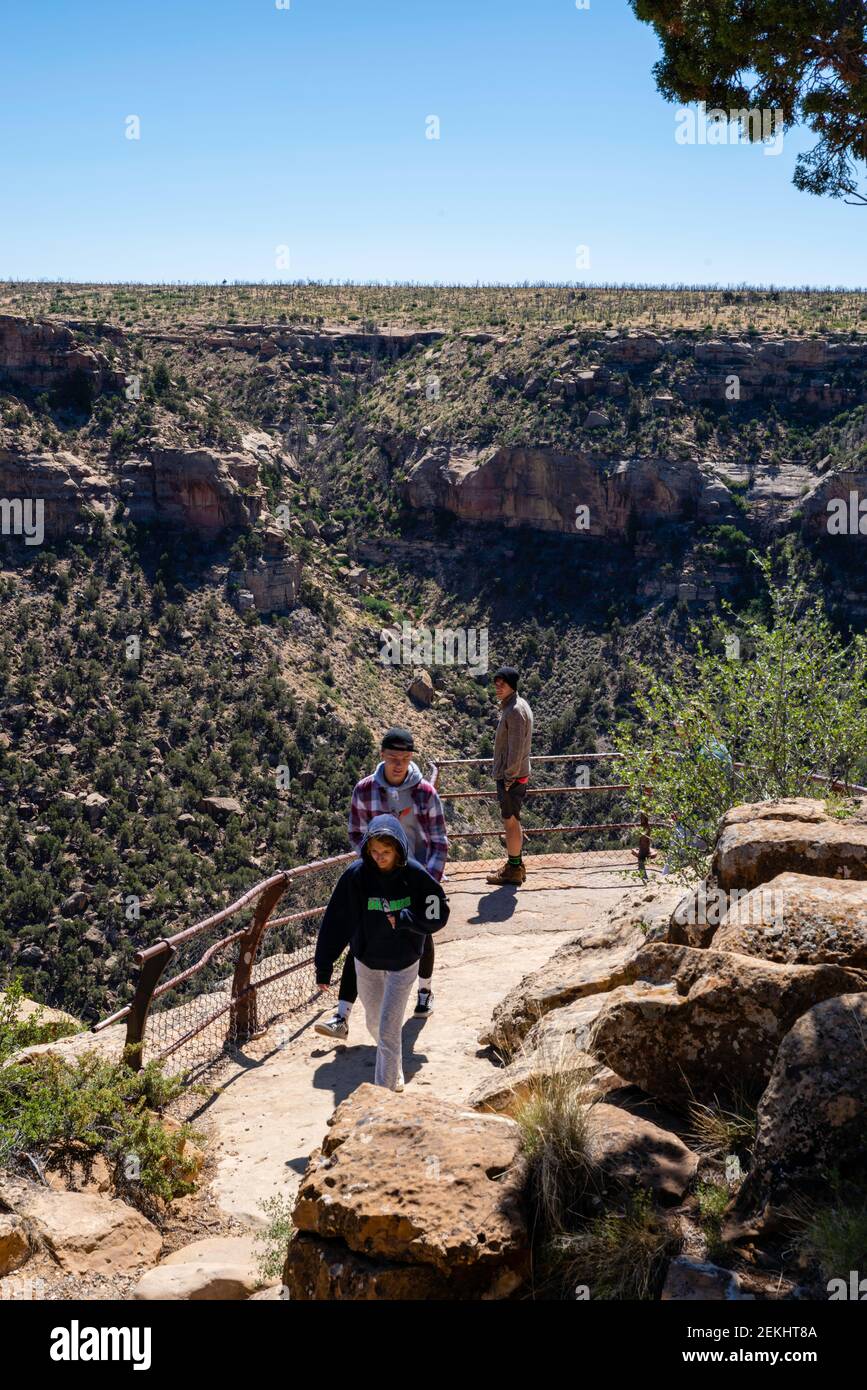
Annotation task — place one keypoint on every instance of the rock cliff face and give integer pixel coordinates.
(67, 486)
(833, 508)
(818, 372)
(42, 355)
(573, 493)
(197, 488)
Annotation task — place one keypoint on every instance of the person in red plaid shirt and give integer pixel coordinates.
(396, 788)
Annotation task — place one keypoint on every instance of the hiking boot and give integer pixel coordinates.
(509, 873)
(334, 1027)
(424, 1007)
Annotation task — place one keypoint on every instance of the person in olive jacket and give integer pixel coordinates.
(382, 908)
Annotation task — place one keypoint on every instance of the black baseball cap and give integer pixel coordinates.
(399, 739)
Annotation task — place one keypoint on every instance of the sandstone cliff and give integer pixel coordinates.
(550, 491)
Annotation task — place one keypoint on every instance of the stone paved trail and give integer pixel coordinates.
(277, 1093)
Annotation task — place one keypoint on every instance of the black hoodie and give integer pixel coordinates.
(356, 915)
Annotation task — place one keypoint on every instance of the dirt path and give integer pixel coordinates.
(277, 1094)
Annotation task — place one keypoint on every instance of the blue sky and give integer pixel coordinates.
(305, 128)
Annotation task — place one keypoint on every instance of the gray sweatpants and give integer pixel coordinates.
(383, 994)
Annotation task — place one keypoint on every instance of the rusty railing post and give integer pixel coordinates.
(153, 963)
(243, 1019)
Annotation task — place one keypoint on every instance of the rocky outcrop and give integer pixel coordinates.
(44, 356)
(202, 489)
(302, 344)
(832, 507)
(219, 1268)
(68, 489)
(821, 373)
(425, 1192)
(812, 1118)
(273, 583)
(698, 1022)
(794, 370)
(800, 919)
(757, 842)
(554, 1045)
(591, 964)
(198, 489)
(84, 1232)
(578, 494)
(633, 1151)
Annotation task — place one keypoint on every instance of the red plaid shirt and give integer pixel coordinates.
(368, 801)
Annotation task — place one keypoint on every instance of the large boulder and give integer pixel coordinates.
(416, 1181)
(591, 963)
(15, 1245)
(812, 1117)
(84, 1232)
(421, 688)
(800, 919)
(757, 842)
(699, 1023)
(219, 1268)
(321, 1269)
(634, 1151)
(554, 1045)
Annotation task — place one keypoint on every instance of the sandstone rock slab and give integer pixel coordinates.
(84, 1232)
(220, 1268)
(756, 843)
(419, 1181)
(800, 919)
(812, 1117)
(591, 964)
(703, 1022)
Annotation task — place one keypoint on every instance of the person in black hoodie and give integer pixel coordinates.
(382, 908)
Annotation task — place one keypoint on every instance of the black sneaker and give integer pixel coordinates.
(335, 1027)
(425, 1005)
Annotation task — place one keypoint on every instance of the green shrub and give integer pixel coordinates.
(55, 1113)
(17, 1033)
(793, 704)
(274, 1239)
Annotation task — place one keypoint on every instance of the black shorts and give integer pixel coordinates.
(511, 800)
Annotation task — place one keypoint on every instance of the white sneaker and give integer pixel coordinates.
(335, 1027)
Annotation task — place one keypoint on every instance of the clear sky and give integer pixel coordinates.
(305, 128)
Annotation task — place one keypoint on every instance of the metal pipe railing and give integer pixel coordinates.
(241, 1005)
